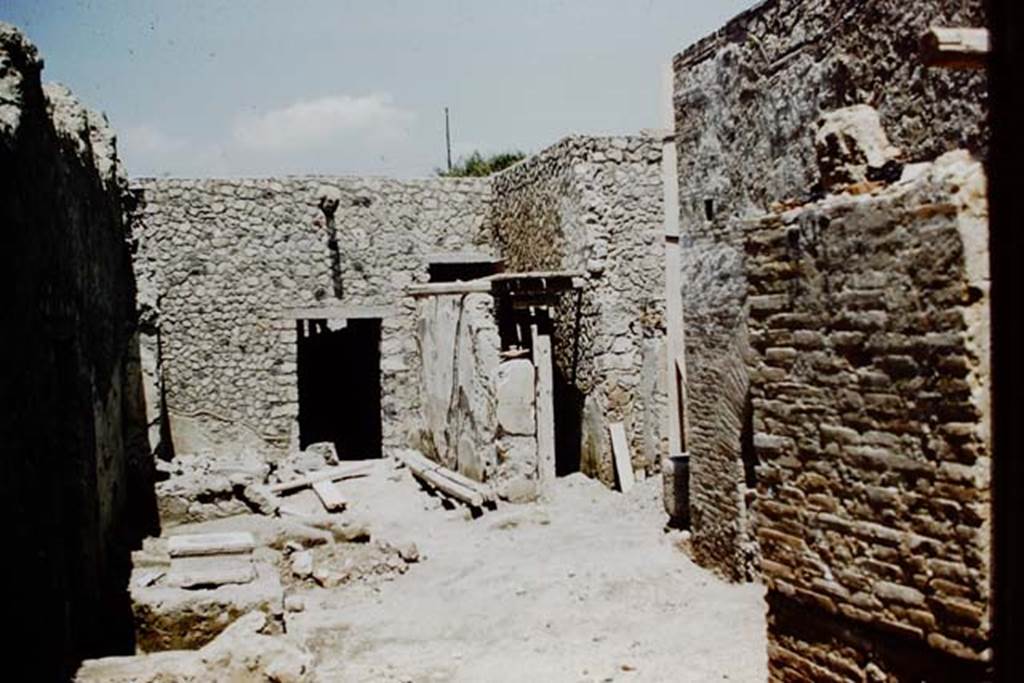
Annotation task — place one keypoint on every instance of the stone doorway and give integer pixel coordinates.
(340, 386)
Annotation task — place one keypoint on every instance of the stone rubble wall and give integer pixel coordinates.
(868, 319)
(70, 418)
(746, 100)
(594, 205)
(228, 260)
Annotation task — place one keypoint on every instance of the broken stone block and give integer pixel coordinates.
(409, 552)
(243, 651)
(209, 571)
(261, 498)
(849, 142)
(516, 394)
(302, 564)
(519, 490)
(171, 617)
(224, 543)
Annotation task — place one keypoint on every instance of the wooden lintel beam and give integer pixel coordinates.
(955, 48)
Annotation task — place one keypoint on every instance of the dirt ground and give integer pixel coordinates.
(586, 587)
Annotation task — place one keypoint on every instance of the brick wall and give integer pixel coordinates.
(746, 100)
(868, 320)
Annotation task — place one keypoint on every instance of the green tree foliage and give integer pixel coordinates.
(477, 165)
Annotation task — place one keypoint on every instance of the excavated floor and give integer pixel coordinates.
(585, 588)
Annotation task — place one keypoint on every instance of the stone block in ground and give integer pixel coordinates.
(243, 651)
(213, 543)
(517, 459)
(209, 571)
(516, 397)
(173, 618)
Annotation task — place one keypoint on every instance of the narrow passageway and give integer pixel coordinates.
(586, 587)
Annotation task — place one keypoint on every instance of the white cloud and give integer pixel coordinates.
(310, 123)
(149, 141)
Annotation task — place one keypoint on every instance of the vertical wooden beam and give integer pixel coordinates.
(623, 459)
(674, 340)
(545, 400)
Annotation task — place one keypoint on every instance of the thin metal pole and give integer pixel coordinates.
(448, 139)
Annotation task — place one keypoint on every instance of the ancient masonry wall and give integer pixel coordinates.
(746, 100)
(477, 410)
(231, 262)
(594, 205)
(69, 387)
(869, 323)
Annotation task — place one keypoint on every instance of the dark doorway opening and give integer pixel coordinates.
(339, 386)
(568, 423)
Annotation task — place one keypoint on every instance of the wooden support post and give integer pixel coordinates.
(623, 461)
(545, 402)
(955, 48)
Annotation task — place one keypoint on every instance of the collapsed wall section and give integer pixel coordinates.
(746, 100)
(594, 205)
(70, 484)
(869, 325)
(236, 263)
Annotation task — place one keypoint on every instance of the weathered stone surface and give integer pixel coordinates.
(898, 468)
(457, 336)
(242, 651)
(516, 397)
(746, 102)
(73, 430)
(849, 142)
(171, 618)
(595, 205)
(230, 258)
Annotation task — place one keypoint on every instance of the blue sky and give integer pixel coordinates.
(256, 88)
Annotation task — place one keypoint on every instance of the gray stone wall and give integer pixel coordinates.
(594, 205)
(746, 100)
(869, 323)
(458, 344)
(70, 485)
(229, 261)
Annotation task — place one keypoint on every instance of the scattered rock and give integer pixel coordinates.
(409, 552)
(302, 564)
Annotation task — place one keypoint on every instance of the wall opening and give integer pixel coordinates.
(748, 454)
(568, 400)
(461, 267)
(340, 386)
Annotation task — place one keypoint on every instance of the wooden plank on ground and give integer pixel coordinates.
(424, 463)
(226, 543)
(545, 401)
(347, 471)
(330, 496)
(620, 451)
(428, 471)
(483, 489)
